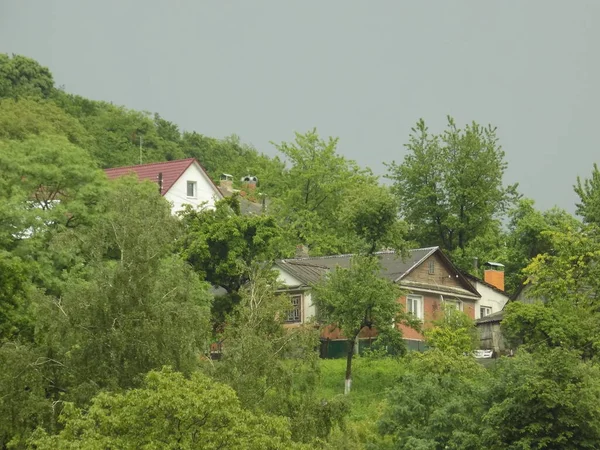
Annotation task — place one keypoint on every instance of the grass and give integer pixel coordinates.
(371, 381)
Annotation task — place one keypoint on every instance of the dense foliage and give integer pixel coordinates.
(108, 314)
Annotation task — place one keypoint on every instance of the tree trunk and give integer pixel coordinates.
(348, 382)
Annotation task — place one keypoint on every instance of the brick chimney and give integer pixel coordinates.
(226, 182)
(493, 274)
(249, 182)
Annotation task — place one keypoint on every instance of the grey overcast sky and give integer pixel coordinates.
(361, 70)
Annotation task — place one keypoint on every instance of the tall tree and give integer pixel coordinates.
(567, 281)
(528, 235)
(355, 298)
(222, 244)
(273, 369)
(588, 191)
(450, 185)
(317, 184)
(131, 305)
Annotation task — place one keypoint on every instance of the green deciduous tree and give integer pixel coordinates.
(316, 186)
(437, 403)
(23, 77)
(24, 404)
(222, 244)
(273, 369)
(371, 214)
(453, 332)
(548, 399)
(168, 412)
(24, 118)
(588, 191)
(450, 185)
(567, 280)
(358, 297)
(527, 237)
(130, 305)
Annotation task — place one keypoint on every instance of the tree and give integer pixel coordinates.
(13, 286)
(21, 77)
(273, 369)
(168, 412)
(315, 187)
(222, 244)
(129, 306)
(371, 215)
(453, 332)
(528, 237)
(355, 298)
(24, 404)
(437, 403)
(230, 155)
(588, 191)
(25, 118)
(546, 399)
(567, 280)
(450, 186)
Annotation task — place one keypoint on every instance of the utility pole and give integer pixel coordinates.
(141, 142)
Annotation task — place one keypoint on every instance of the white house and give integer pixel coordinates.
(491, 288)
(181, 182)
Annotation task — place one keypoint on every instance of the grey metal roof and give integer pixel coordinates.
(310, 270)
(494, 317)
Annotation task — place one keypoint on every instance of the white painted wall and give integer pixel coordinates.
(206, 191)
(489, 297)
(287, 280)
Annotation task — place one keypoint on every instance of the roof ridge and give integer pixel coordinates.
(344, 255)
(151, 164)
(302, 263)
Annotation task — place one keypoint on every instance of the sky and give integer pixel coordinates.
(364, 71)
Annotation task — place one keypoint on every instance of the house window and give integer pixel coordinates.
(457, 304)
(414, 306)
(191, 189)
(431, 267)
(484, 311)
(295, 313)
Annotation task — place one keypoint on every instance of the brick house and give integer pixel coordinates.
(428, 278)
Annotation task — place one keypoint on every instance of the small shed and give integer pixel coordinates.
(490, 334)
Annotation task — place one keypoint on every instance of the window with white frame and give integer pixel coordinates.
(295, 313)
(484, 311)
(191, 189)
(414, 305)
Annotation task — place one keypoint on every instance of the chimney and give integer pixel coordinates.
(493, 274)
(160, 182)
(301, 251)
(226, 182)
(250, 182)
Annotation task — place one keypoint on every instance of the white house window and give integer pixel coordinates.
(484, 311)
(431, 267)
(295, 313)
(414, 305)
(191, 189)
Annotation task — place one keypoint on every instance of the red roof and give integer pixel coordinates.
(171, 171)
